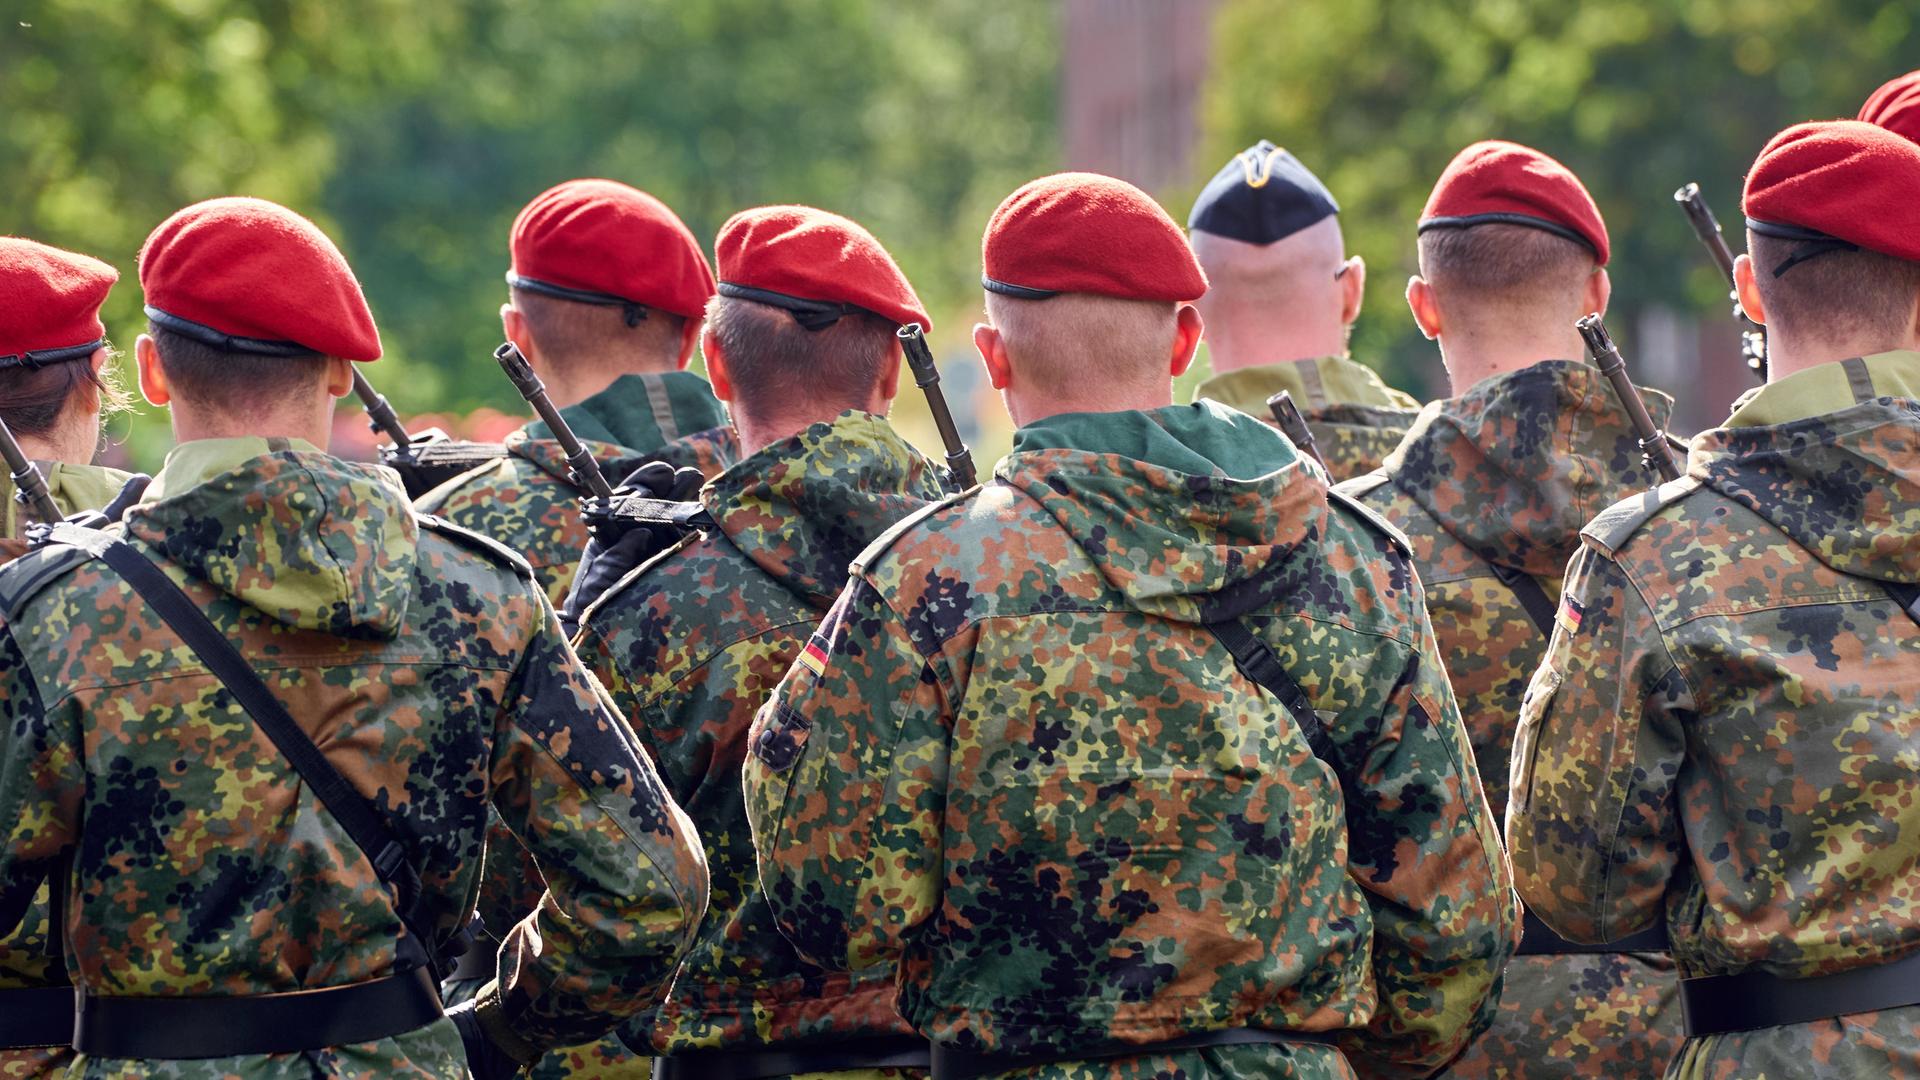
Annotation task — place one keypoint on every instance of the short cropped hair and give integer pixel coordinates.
(32, 402)
(1855, 292)
(772, 359)
(1061, 343)
(566, 329)
(235, 383)
(1508, 266)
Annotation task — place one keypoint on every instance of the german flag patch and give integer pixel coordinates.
(814, 658)
(1570, 615)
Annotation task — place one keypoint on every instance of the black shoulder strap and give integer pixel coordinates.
(1257, 662)
(355, 813)
(1540, 607)
(1907, 596)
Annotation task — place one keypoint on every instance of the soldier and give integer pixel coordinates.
(177, 758)
(1721, 735)
(800, 344)
(1018, 759)
(1492, 486)
(1281, 298)
(1896, 106)
(607, 291)
(54, 386)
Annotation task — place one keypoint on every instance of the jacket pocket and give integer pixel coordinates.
(781, 743)
(1533, 708)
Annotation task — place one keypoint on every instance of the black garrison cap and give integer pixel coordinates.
(1264, 194)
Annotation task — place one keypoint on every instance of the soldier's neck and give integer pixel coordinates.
(313, 425)
(759, 430)
(1228, 351)
(1789, 354)
(578, 379)
(1472, 359)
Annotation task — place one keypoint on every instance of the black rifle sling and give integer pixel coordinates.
(1540, 607)
(1907, 596)
(1257, 662)
(355, 814)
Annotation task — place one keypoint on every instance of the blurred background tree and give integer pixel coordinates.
(414, 132)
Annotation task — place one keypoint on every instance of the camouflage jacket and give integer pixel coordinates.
(527, 500)
(1505, 476)
(1013, 759)
(691, 646)
(28, 958)
(1356, 419)
(431, 671)
(1721, 734)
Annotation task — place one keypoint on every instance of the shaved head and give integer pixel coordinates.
(1062, 344)
(1288, 300)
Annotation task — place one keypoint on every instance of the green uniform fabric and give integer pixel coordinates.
(1022, 769)
(689, 647)
(1356, 419)
(1509, 473)
(526, 500)
(1722, 732)
(433, 674)
(28, 958)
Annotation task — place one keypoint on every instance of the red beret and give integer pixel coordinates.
(49, 303)
(1896, 106)
(817, 265)
(1842, 180)
(602, 242)
(252, 276)
(1087, 233)
(1497, 182)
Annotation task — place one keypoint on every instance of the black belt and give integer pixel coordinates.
(36, 1017)
(205, 1027)
(893, 1052)
(1538, 939)
(952, 1064)
(1716, 1004)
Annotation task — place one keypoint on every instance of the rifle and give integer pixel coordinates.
(913, 341)
(580, 464)
(29, 487)
(1653, 442)
(1294, 426)
(1753, 336)
(424, 461)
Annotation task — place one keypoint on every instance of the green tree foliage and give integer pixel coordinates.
(414, 132)
(1637, 96)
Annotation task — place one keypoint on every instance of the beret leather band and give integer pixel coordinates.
(1018, 292)
(207, 335)
(812, 315)
(635, 312)
(39, 358)
(1817, 243)
(1528, 220)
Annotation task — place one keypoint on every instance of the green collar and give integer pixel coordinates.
(194, 463)
(1314, 384)
(1828, 388)
(1201, 439)
(642, 413)
(74, 488)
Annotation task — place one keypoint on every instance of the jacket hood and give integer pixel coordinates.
(1517, 466)
(310, 540)
(805, 507)
(1188, 511)
(1844, 485)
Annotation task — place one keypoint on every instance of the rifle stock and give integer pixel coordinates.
(1653, 441)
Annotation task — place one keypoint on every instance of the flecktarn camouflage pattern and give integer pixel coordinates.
(1356, 419)
(28, 958)
(1507, 474)
(1723, 732)
(689, 648)
(433, 675)
(1017, 764)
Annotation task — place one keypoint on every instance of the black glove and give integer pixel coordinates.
(484, 1060)
(604, 563)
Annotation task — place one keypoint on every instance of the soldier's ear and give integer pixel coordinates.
(1353, 289)
(1599, 291)
(514, 325)
(689, 341)
(339, 376)
(1188, 329)
(1426, 310)
(993, 353)
(153, 378)
(1748, 289)
(717, 374)
(890, 375)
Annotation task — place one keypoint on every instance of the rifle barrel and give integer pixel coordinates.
(586, 471)
(1287, 414)
(29, 486)
(913, 341)
(380, 415)
(1707, 228)
(1653, 441)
